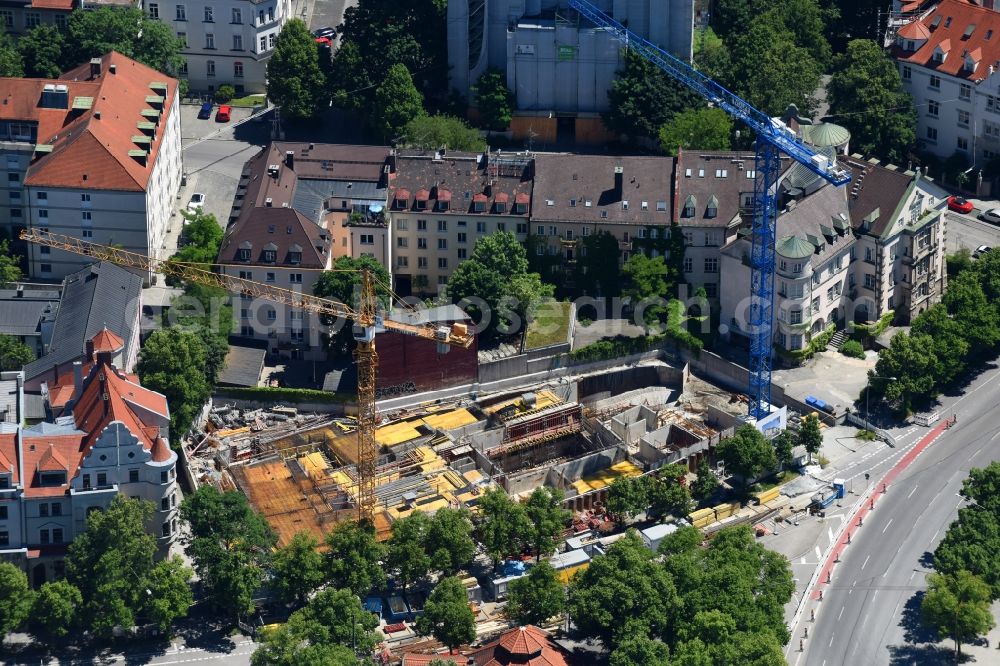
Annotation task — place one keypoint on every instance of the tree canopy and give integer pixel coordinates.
(408, 558)
(957, 606)
(502, 524)
(343, 283)
(15, 598)
(397, 103)
(597, 272)
(10, 58)
(434, 132)
(447, 616)
(55, 611)
(129, 31)
(14, 354)
(866, 96)
(747, 453)
(42, 50)
(972, 542)
(297, 568)
(536, 596)
(643, 98)
(295, 79)
(449, 540)
(547, 518)
(354, 557)
(697, 129)
(10, 265)
(174, 362)
(494, 100)
(809, 435)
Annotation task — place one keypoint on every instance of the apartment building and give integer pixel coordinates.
(576, 196)
(19, 16)
(555, 61)
(28, 313)
(948, 56)
(289, 198)
(112, 439)
(713, 190)
(441, 203)
(814, 250)
(95, 154)
(227, 42)
(898, 217)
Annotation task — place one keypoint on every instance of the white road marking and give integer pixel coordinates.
(992, 438)
(831, 640)
(935, 535)
(803, 560)
(873, 599)
(819, 555)
(840, 613)
(866, 561)
(912, 574)
(887, 526)
(911, 492)
(829, 534)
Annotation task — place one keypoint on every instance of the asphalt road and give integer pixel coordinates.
(968, 232)
(870, 612)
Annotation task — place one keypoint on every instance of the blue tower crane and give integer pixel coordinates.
(773, 138)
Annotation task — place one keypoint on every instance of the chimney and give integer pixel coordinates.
(113, 68)
(97, 115)
(619, 181)
(77, 379)
(90, 350)
(290, 158)
(95, 67)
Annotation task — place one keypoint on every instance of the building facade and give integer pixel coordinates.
(554, 60)
(289, 197)
(111, 440)
(95, 154)
(17, 17)
(227, 42)
(947, 58)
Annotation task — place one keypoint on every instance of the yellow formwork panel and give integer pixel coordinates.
(700, 514)
(397, 433)
(566, 574)
(314, 465)
(456, 418)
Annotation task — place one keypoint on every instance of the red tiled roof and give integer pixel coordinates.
(8, 455)
(953, 18)
(443, 195)
(501, 197)
(90, 147)
(161, 452)
(480, 197)
(523, 646)
(914, 30)
(413, 659)
(522, 198)
(52, 4)
(525, 641)
(106, 341)
(51, 461)
(402, 195)
(423, 195)
(38, 452)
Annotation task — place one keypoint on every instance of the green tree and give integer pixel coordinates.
(624, 594)
(641, 651)
(810, 436)
(806, 20)
(397, 102)
(354, 558)
(972, 543)
(647, 285)
(705, 485)
(643, 99)
(536, 596)
(11, 64)
(55, 611)
(747, 453)
(866, 96)
(449, 540)
(958, 607)
(597, 268)
(15, 598)
(978, 318)
(10, 265)
(348, 78)
(298, 568)
(408, 547)
(950, 347)
(93, 33)
(14, 354)
(230, 545)
(627, 497)
(769, 70)
(494, 285)
(319, 633)
(960, 261)
(667, 494)
(170, 596)
(783, 445)
(433, 132)
(295, 80)
(42, 49)
(173, 362)
(111, 564)
(200, 239)
(343, 283)
(911, 360)
(503, 525)
(684, 540)
(697, 129)
(548, 519)
(494, 100)
(207, 313)
(447, 616)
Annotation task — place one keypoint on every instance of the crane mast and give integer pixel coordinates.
(366, 320)
(773, 139)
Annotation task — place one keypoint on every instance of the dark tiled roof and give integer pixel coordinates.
(243, 366)
(457, 178)
(702, 175)
(564, 184)
(23, 316)
(99, 295)
(283, 231)
(874, 187)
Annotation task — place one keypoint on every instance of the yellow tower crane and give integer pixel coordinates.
(365, 320)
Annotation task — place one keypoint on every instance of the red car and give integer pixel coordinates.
(959, 205)
(222, 115)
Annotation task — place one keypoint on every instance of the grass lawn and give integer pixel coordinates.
(780, 479)
(706, 37)
(248, 101)
(549, 325)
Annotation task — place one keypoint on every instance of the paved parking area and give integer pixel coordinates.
(830, 376)
(965, 231)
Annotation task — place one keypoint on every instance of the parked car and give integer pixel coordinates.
(206, 111)
(992, 216)
(325, 31)
(222, 115)
(981, 250)
(197, 202)
(959, 205)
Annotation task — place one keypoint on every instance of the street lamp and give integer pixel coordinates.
(868, 390)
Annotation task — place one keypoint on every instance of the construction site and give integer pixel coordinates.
(300, 470)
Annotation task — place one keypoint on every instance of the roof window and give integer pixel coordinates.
(969, 29)
(936, 22)
(947, 22)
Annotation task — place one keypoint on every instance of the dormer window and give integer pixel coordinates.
(270, 256)
(520, 208)
(295, 258)
(501, 206)
(443, 205)
(421, 205)
(52, 478)
(712, 209)
(690, 204)
(243, 254)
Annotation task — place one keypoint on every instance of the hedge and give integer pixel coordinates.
(874, 329)
(818, 343)
(271, 394)
(621, 345)
(853, 349)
